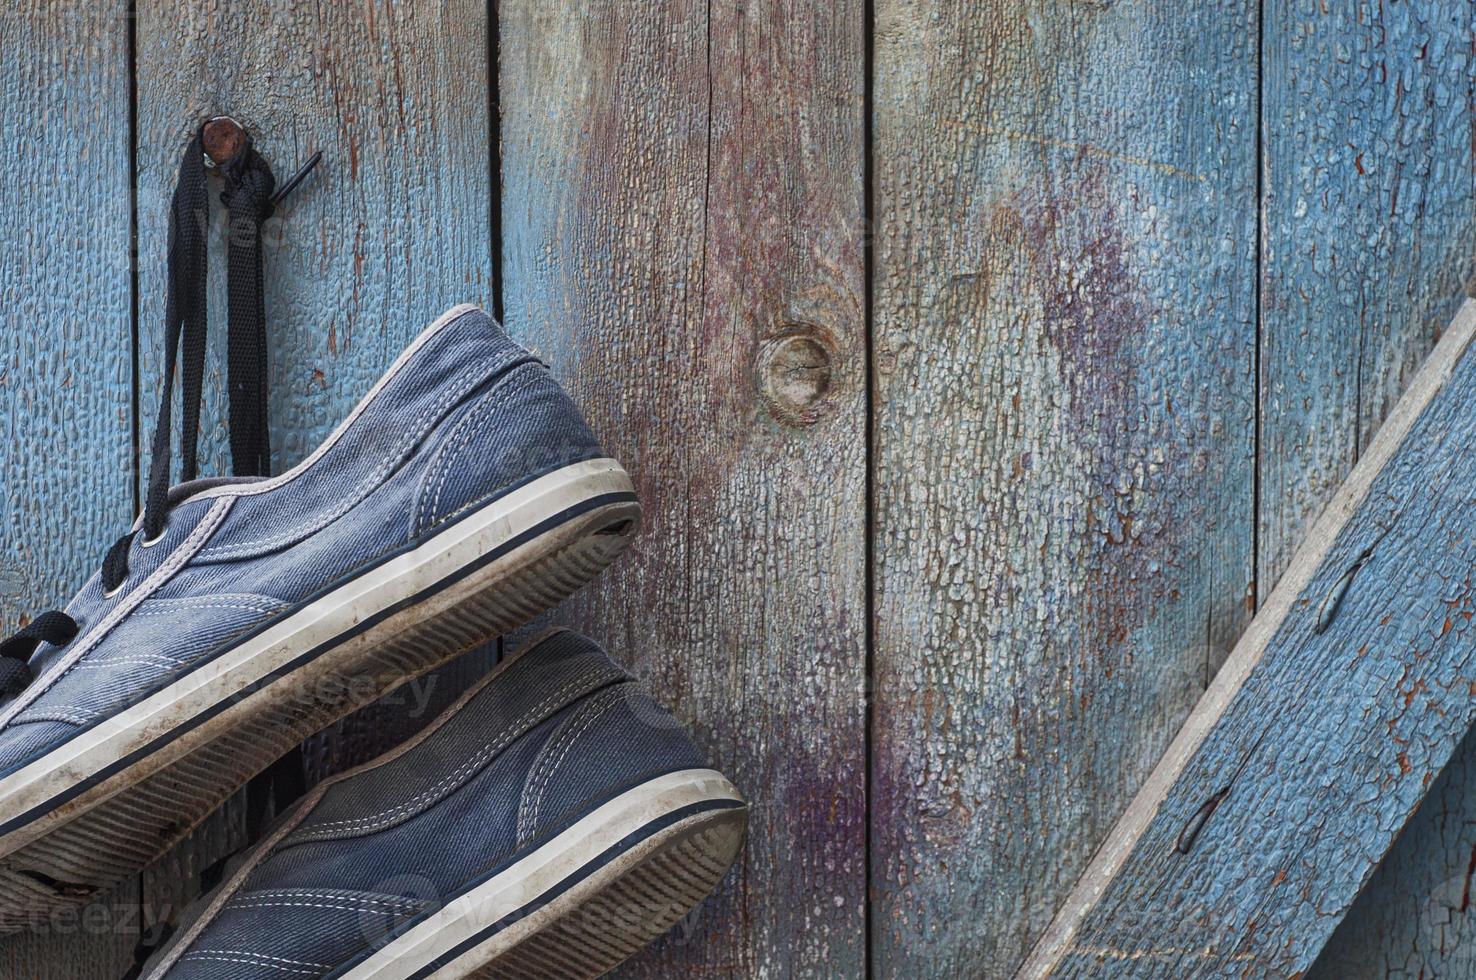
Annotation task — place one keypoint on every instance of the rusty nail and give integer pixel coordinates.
(1196, 823)
(223, 138)
(1334, 598)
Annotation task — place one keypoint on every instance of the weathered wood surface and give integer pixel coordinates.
(65, 362)
(682, 217)
(1369, 232)
(1322, 733)
(393, 228)
(1415, 919)
(390, 231)
(1066, 542)
(1369, 239)
(1065, 350)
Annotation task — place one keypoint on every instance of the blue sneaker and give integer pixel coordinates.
(550, 824)
(463, 496)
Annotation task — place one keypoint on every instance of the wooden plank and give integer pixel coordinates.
(682, 211)
(392, 229)
(1370, 187)
(1322, 733)
(65, 361)
(1065, 295)
(1370, 193)
(1414, 918)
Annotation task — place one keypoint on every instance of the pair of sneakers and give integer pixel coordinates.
(551, 823)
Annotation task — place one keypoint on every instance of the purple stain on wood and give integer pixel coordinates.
(1070, 253)
(689, 207)
(1065, 422)
(1095, 310)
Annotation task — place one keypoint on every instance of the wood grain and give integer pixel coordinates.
(1370, 196)
(1064, 332)
(1324, 730)
(1066, 544)
(683, 198)
(1414, 917)
(1370, 186)
(392, 229)
(65, 362)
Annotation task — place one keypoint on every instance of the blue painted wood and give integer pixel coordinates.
(65, 351)
(1415, 917)
(1065, 203)
(65, 359)
(393, 228)
(1370, 231)
(1370, 189)
(683, 220)
(1065, 351)
(1321, 735)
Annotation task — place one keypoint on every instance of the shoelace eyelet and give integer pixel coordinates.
(252, 194)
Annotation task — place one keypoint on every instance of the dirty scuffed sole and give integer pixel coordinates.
(551, 917)
(526, 560)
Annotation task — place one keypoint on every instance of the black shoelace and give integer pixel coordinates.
(249, 199)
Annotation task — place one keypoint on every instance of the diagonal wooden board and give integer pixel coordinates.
(1321, 734)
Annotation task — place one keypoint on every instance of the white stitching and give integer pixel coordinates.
(332, 896)
(514, 731)
(176, 560)
(266, 956)
(257, 960)
(58, 714)
(533, 377)
(535, 771)
(595, 709)
(252, 963)
(441, 465)
(497, 397)
(387, 910)
(248, 600)
(141, 655)
(204, 605)
(137, 661)
(142, 659)
(423, 424)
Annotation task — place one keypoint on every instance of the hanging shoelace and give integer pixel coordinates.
(250, 197)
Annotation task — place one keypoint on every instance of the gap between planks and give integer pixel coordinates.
(1119, 844)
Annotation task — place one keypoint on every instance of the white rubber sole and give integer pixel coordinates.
(110, 800)
(586, 900)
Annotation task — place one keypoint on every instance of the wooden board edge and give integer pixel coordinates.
(1130, 827)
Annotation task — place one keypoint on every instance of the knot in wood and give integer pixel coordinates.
(795, 373)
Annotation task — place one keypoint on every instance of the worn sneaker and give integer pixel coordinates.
(550, 824)
(461, 497)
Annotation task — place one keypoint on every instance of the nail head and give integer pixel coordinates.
(223, 138)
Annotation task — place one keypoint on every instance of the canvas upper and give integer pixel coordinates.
(558, 730)
(463, 416)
